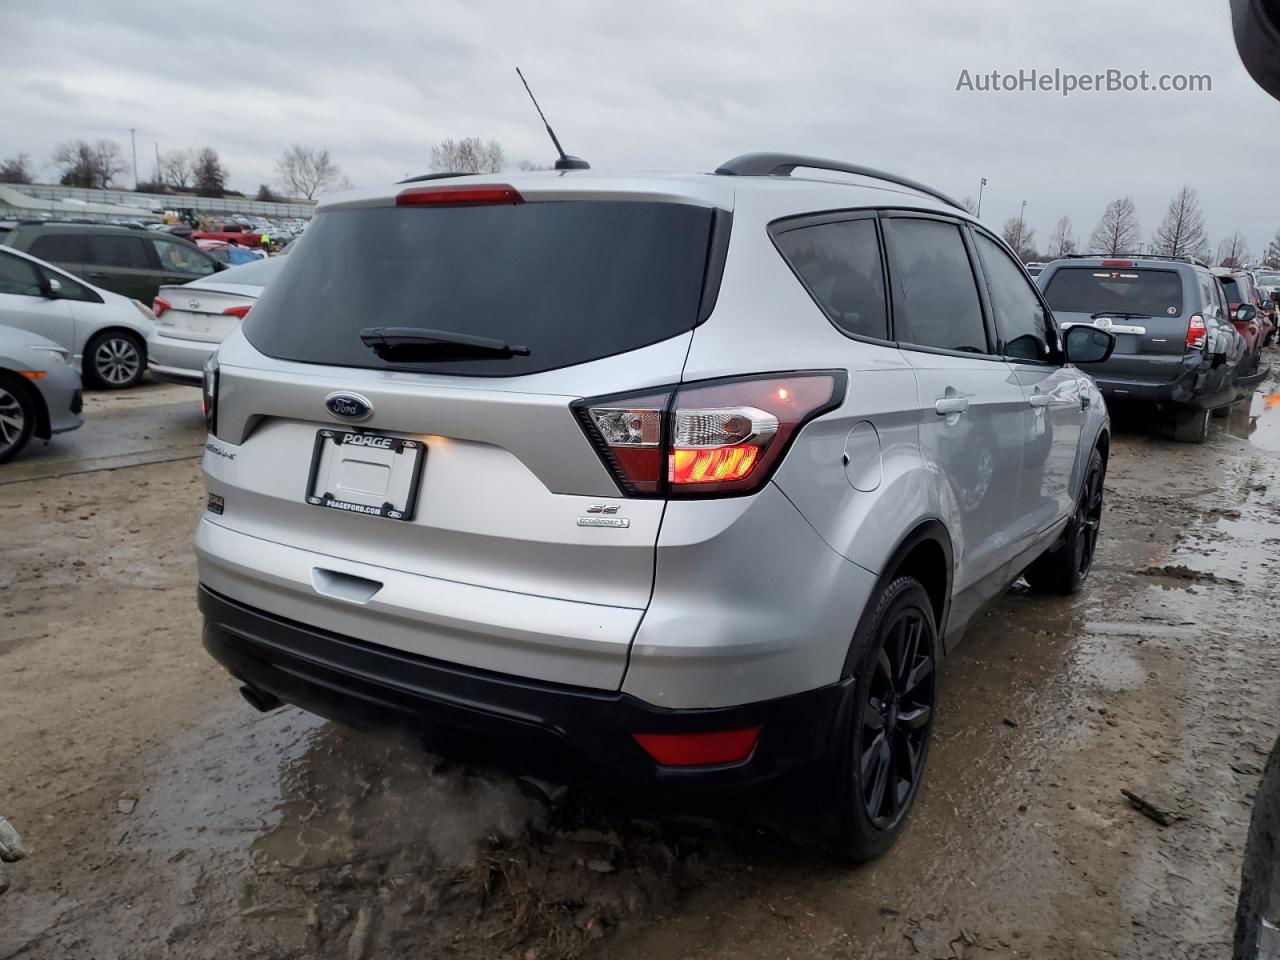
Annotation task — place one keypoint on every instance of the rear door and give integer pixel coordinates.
(1054, 411)
(603, 295)
(63, 249)
(1147, 308)
(972, 406)
(122, 264)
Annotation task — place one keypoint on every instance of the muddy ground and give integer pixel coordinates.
(167, 819)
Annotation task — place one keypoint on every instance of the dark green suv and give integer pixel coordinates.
(128, 261)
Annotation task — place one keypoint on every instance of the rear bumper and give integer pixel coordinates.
(548, 726)
(178, 361)
(1186, 390)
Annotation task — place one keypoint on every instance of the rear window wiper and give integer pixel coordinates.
(1120, 313)
(415, 344)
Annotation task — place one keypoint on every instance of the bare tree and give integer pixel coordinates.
(306, 171)
(1118, 231)
(970, 204)
(177, 168)
(1273, 252)
(1063, 241)
(16, 170)
(468, 155)
(1182, 233)
(1021, 237)
(82, 164)
(208, 174)
(1233, 251)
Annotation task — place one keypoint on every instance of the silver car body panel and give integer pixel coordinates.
(693, 604)
(23, 350)
(188, 333)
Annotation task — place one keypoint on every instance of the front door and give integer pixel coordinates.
(1053, 410)
(972, 406)
(23, 303)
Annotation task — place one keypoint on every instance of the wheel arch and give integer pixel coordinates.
(925, 553)
(42, 428)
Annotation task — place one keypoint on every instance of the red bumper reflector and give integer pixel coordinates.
(458, 195)
(699, 749)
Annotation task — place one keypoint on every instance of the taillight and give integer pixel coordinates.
(159, 305)
(1197, 332)
(240, 311)
(459, 195)
(209, 395)
(1117, 263)
(699, 749)
(706, 439)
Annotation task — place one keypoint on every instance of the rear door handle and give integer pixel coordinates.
(1040, 400)
(949, 405)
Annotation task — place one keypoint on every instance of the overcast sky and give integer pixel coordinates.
(667, 85)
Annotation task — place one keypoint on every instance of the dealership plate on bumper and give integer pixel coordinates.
(367, 473)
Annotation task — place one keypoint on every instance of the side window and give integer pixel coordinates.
(19, 277)
(59, 247)
(180, 258)
(1207, 293)
(108, 250)
(840, 265)
(936, 297)
(1020, 317)
(71, 289)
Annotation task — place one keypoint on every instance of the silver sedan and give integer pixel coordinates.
(39, 391)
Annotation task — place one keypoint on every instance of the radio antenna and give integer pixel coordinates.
(566, 161)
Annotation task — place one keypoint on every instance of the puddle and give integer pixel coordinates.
(1261, 427)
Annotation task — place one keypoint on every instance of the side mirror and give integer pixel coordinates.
(1246, 312)
(54, 290)
(1086, 344)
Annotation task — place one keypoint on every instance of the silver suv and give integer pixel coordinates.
(695, 476)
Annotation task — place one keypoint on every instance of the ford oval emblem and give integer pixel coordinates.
(348, 406)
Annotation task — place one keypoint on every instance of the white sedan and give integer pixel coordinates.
(193, 318)
(104, 333)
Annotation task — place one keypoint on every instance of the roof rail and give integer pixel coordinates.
(1134, 256)
(781, 165)
(432, 176)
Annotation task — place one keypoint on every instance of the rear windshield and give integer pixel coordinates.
(573, 281)
(1151, 293)
(253, 274)
(1235, 294)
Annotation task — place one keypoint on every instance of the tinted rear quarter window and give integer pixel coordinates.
(573, 281)
(1150, 293)
(59, 247)
(839, 263)
(109, 250)
(935, 294)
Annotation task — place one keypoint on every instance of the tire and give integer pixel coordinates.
(1191, 425)
(1064, 569)
(17, 417)
(1221, 413)
(880, 751)
(115, 360)
(1258, 911)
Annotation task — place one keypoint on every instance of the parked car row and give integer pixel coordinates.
(1188, 337)
(56, 327)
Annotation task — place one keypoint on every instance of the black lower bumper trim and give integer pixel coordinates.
(551, 726)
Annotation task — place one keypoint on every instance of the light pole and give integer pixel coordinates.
(1021, 214)
(982, 184)
(133, 140)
